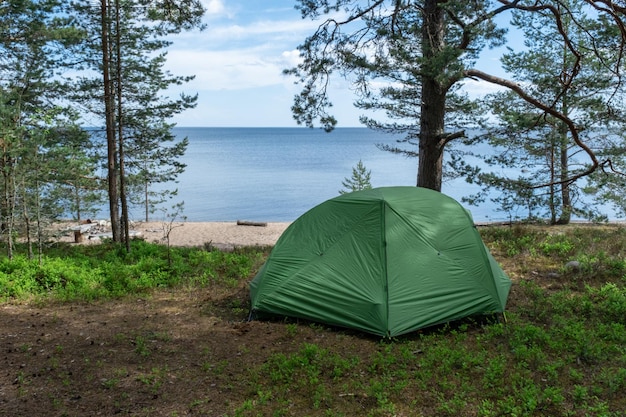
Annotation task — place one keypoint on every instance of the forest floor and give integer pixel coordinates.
(192, 352)
(162, 355)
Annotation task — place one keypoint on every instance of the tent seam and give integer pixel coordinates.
(385, 264)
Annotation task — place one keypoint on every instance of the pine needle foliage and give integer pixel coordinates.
(360, 180)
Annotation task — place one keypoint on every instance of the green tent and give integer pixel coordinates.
(386, 261)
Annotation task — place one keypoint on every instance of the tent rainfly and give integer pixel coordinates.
(386, 261)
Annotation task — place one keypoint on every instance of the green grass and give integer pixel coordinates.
(562, 351)
(571, 362)
(73, 273)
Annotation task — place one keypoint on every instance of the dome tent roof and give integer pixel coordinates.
(386, 261)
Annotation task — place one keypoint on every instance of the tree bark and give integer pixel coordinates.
(566, 199)
(112, 175)
(433, 106)
(125, 233)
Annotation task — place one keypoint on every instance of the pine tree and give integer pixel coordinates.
(360, 180)
(126, 45)
(540, 143)
(421, 52)
(417, 50)
(35, 45)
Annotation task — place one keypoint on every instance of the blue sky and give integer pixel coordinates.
(238, 61)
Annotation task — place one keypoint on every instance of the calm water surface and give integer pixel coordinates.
(277, 174)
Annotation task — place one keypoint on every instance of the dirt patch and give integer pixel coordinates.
(191, 352)
(169, 354)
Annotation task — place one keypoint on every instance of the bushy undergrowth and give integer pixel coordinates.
(599, 251)
(561, 351)
(572, 362)
(104, 271)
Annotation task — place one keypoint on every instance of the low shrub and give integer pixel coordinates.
(104, 271)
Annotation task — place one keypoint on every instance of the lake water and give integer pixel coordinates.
(277, 174)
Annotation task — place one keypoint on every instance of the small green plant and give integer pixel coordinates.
(361, 179)
(215, 368)
(384, 404)
(263, 397)
(154, 379)
(169, 224)
(56, 403)
(237, 306)
(292, 329)
(557, 246)
(110, 383)
(141, 347)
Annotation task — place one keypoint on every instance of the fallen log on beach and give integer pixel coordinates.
(247, 223)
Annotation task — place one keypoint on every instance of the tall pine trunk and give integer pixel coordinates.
(8, 202)
(120, 130)
(109, 105)
(566, 199)
(433, 106)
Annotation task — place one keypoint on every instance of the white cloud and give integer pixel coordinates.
(285, 31)
(291, 58)
(231, 70)
(214, 7)
(231, 57)
(238, 61)
(479, 88)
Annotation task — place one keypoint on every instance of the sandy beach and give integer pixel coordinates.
(222, 235)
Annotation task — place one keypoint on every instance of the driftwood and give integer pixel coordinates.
(80, 230)
(247, 223)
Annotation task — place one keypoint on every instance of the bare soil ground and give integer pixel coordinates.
(170, 354)
(174, 353)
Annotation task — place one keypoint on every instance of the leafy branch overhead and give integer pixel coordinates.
(99, 63)
(410, 60)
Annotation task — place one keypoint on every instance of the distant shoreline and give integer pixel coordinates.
(228, 234)
(222, 235)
